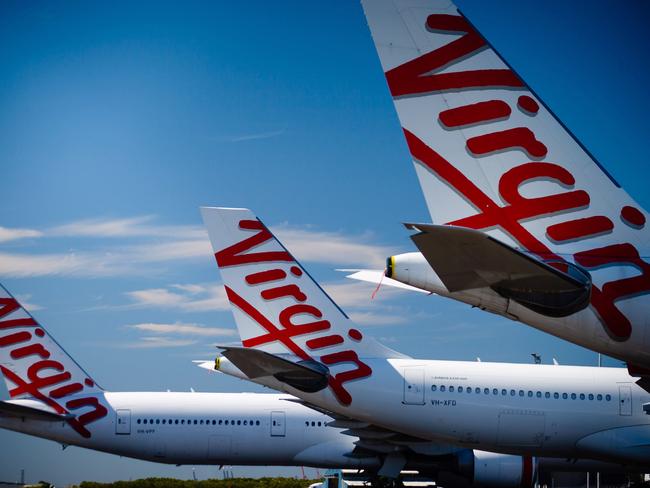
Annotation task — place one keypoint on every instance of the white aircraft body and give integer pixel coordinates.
(530, 225)
(53, 398)
(296, 339)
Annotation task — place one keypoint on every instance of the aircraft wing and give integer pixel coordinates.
(466, 259)
(378, 277)
(373, 439)
(308, 376)
(12, 409)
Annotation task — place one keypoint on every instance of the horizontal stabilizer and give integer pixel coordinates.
(307, 376)
(11, 409)
(377, 277)
(466, 259)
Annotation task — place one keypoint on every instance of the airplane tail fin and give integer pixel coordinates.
(491, 156)
(278, 307)
(35, 366)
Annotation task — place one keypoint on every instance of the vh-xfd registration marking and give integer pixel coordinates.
(443, 403)
(276, 283)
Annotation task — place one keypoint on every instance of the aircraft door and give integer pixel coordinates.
(624, 400)
(123, 422)
(413, 386)
(278, 428)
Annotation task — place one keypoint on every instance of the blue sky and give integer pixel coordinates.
(118, 120)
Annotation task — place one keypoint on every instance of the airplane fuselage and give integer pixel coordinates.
(539, 410)
(204, 428)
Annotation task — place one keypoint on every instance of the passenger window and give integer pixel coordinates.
(460, 389)
(239, 422)
(486, 391)
(547, 395)
(251, 423)
(573, 396)
(442, 388)
(564, 396)
(451, 389)
(176, 421)
(495, 391)
(196, 421)
(245, 422)
(478, 390)
(214, 422)
(157, 421)
(226, 422)
(512, 392)
(582, 396)
(257, 422)
(599, 397)
(530, 394)
(164, 421)
(144, 421)
(591, 396)
(521, 392)
(434, 387)
(320, 424)
(313, 424)
(556, 395)
(608, 397)
(504, 392)
(469, 389)
(306, 424)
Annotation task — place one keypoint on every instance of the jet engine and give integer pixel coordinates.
(489, 469)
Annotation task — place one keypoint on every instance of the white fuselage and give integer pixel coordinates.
(559, 411)
(205, 428)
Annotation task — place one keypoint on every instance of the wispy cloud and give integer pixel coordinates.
(178, 334)
(168, 245)
(184, 329)
(140, 226)
(376, 318)
(188, 298)
(252, 136)
(353, 294)
(354, 297)
(8, 234)
(155, 342)
(64, 264)
(24, 300)
(332, 247)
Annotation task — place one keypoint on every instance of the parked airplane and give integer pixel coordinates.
(535, 229)
(296, 339)
(52, 397)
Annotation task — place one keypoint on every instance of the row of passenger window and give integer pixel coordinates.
(197, 422)
(314, 424)
(521, 393)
